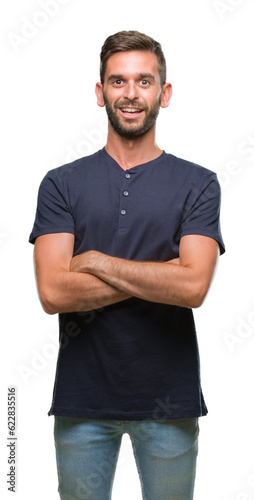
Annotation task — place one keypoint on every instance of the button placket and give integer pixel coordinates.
(124, 201)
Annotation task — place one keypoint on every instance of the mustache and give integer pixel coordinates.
(126, 102)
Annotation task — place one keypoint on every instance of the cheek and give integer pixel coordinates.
(154, 99)
(112, 98)
(159, 96)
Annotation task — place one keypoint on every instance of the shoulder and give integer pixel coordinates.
(189, 169)
(73, 170)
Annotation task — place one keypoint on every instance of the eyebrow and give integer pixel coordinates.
(147, 75)
(141, 76)
(114, 77)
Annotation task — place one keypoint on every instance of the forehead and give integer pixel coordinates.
(132, 63)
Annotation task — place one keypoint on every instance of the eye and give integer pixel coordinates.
(118, 82)
(144, 83)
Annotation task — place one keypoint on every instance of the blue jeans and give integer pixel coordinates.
(87, 451)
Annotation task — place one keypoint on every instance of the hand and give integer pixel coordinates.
(176, 261)
(84, 262)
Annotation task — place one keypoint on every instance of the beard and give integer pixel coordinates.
(132, 132)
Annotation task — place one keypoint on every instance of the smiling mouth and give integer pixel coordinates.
(131, 112)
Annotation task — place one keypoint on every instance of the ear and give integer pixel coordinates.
(99, 94)
(166, 94)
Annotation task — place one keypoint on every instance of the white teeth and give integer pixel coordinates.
(130, 110)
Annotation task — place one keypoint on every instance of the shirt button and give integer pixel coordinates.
(127, 176)
(123, 212)
(125, 193)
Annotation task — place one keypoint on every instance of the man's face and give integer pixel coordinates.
(132, 92)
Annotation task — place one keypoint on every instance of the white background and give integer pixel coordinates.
(48, 110)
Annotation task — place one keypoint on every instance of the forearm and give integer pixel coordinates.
(161, 282)
(72, 291)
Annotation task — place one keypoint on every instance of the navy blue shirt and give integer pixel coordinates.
(136, 359)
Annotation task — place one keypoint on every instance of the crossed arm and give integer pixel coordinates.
(93, 280)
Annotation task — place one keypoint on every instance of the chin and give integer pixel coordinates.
(131, 132)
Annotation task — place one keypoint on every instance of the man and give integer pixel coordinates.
(126, 243)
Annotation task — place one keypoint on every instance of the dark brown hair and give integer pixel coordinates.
(125, 41)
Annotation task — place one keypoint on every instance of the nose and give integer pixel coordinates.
(131, 91)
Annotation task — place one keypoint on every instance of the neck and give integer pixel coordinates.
(131, 152)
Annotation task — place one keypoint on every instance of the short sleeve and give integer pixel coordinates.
(201, 212)
(53, 214)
